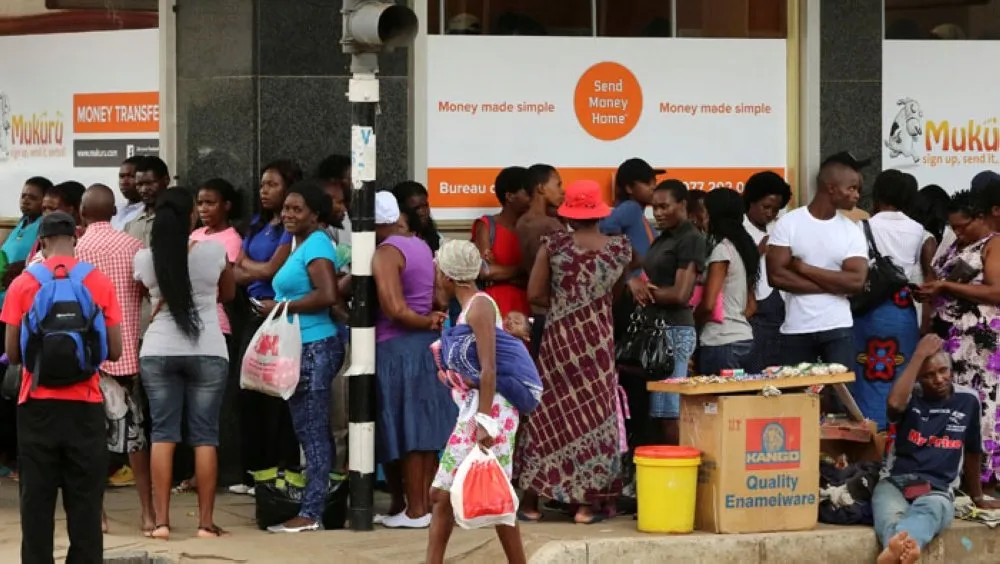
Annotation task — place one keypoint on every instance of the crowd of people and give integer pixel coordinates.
(183, 283)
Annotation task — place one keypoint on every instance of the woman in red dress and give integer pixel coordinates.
(503, 277)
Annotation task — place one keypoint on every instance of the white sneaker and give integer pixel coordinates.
(240, 489)
(252, 492)
(303, 529)
(402, 521)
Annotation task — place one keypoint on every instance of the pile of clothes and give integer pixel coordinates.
(846, 491)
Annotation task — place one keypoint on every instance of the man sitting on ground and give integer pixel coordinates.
(937, 434)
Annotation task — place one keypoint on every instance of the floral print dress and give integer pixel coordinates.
(971, 334)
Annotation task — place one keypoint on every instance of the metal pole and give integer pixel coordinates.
(363, 93)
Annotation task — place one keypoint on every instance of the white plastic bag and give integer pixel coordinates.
(272, 361)
(482, 495)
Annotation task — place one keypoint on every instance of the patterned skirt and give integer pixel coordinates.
(885, 339)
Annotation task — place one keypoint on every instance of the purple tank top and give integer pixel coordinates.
(417, 279)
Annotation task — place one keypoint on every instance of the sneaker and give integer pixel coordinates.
(122, 478)
(240, 489)
(402, 521)
(303, 529)
(252, 492)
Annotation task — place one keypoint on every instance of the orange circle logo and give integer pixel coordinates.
(608, 101)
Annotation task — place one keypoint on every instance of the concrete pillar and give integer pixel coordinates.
(851, 81)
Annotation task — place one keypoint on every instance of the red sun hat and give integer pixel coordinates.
(584, 201)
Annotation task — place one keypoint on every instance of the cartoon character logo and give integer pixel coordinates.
(773, 444)
(906, 130)
(5, 126)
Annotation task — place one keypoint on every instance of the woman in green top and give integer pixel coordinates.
(20, 240)
(12, 257)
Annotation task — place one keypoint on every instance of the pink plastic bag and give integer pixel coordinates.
(718, 314)
(482, 495)
(272, 361)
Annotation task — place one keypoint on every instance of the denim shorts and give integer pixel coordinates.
(185, 386)
(663, 405)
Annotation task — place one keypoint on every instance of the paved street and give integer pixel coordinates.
(247, 544)
(554, 541)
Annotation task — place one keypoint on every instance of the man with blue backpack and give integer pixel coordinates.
(62, 320)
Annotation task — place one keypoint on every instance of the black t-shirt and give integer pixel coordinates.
(932, 437)
(672, 251)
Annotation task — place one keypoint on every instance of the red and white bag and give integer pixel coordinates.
(482, 495)
(272, 361)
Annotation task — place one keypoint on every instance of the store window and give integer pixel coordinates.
(510, 17)
(942, 19)
(611, 18)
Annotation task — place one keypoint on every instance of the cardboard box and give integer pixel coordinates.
(760, 461)
(858, 441)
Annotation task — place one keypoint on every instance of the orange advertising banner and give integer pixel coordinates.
(473, 187)
(116, 112)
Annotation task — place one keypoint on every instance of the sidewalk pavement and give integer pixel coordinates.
(555, 540)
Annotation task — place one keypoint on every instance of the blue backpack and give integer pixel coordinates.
(63, 335)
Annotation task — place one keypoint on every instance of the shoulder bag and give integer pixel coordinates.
(885, 278)
(647, 344)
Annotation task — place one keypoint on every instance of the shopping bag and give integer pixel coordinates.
(482, 495)
(271, 363)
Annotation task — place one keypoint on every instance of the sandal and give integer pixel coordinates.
(594, 519)
(157, 529)
(529, 518)
(185, 487)
(211, 531)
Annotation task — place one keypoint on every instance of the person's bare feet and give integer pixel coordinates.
(212, 532)
(104, 522)
(160, 532)
(894, 549)
(911, 552)
(148, 522)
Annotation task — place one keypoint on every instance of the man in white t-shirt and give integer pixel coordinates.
(819, 258)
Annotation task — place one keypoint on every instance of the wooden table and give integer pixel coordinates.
(734, 386)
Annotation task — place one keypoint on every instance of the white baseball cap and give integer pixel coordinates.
(386, 208)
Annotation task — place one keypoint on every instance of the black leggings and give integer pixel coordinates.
(268, 436)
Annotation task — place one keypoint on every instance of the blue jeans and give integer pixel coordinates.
(922, 519)
(310, 407)
(834, 345)
(713, 359)
(663, 405)
(179, 385)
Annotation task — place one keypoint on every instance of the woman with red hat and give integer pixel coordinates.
(570, 450)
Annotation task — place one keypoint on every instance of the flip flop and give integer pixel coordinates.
(594, 519)
(152, 534)
(212, 531)
(184, 487)
(522, 516)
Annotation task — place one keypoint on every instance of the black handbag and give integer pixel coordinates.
(647, 344)
(885, 278)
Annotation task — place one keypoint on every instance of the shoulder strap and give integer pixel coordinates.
(491, 222)
(80, 271)
(41, 273)
(872, 247)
